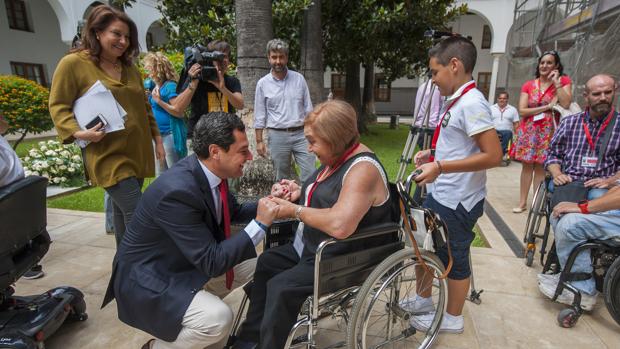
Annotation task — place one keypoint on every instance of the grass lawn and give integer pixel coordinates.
(388, 145)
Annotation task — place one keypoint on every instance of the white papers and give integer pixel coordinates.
(99, 100)
(539, 116)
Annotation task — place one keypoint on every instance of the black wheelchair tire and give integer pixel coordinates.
(611, 290)
(390, 266)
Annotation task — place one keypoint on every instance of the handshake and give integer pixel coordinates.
(279, 205)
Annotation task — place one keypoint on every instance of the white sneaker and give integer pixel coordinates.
(449, 323)
(417, 305)
(546, 278)
(548, 287)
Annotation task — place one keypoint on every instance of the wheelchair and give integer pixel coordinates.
(367, 289)
(26, 321)
(538, 216)
(605, 255)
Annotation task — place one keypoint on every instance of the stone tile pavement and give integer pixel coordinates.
(513, 314)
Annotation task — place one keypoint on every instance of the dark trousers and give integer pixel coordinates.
(282, 282)
(125, 197)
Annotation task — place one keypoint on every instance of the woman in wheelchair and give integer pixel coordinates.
(350, 189)
(598, 219)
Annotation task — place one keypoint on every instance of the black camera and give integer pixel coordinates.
(199, 54)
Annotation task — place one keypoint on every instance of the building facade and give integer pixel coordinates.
(35, 34)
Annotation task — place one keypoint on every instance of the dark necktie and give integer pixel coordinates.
(223, 186)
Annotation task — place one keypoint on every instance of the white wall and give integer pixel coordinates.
(42, 46)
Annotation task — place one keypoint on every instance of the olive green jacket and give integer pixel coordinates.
(120, 154)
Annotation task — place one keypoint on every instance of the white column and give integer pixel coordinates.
(494, 75)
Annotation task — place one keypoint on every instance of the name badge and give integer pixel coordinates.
(539, 117)
(589, 161)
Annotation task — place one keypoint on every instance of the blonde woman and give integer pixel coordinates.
(166, 109)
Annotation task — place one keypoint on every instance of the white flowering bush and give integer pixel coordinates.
(60, 163)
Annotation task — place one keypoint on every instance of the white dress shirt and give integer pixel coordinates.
(254, 231)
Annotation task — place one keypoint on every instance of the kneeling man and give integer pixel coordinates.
(177, 258)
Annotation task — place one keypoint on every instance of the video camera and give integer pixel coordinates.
(199, 54)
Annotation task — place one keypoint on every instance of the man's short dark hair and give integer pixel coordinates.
(219, 45)
(455, 47)
(503, 92)
(215, 128)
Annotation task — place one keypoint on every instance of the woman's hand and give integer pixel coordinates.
(552, 104)
(160, 153)
(286, 208)
(94, 134)
(286, 189)
(554, 76)
(421, 157)
(155, 95)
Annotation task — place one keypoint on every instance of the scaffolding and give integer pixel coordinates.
(586, 33)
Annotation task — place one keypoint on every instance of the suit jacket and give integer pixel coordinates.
(172, 247)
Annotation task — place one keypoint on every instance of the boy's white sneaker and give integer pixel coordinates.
(449, 323)
(417, 305)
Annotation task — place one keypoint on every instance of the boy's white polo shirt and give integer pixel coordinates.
(469, 116)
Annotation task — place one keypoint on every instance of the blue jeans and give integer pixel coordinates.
(125, 197)
(574, 228)
(460, 225)
(109, 212)
(504, 136)
(171, 155)
(283, 145)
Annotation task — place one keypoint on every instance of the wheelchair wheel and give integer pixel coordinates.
(534, 220)
(611, 290)
(381, 315)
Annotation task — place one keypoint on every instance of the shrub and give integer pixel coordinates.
(60, 163)
(24, 104)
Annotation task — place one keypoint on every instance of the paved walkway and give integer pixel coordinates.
(513, 313)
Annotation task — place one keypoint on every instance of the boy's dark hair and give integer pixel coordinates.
(215, 128)
(455, 47)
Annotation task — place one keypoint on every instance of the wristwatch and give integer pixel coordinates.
(583, 206)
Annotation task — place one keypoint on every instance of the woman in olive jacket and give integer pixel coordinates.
(118, 161)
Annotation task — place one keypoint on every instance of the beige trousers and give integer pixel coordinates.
(208, 319)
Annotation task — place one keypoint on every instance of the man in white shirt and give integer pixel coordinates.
(506, 119)
(281, 104)
(427, 100)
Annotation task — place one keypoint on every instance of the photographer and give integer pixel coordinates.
(223, 94)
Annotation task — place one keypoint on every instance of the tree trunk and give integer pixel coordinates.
(368, 96)
(254, 30)
(352, 91)
(312, 52)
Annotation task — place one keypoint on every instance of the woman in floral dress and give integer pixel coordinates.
(538, 97)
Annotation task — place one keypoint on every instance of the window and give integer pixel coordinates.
(30, 71)
(16, 14)
(486, 37)
(484, 83)
(149, 41)
(339, 82)
(382, 88)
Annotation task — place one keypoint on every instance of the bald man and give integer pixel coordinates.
(585, 149)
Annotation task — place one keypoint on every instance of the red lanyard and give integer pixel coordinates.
(501, 112)
(550, 88)
(336, 166)
(598, 135)
(468, 88)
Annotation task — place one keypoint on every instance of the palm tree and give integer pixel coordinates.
(312, 52)
(254, 30)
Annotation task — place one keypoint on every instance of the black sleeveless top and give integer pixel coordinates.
(326, 194)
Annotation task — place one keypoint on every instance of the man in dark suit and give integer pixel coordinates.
(177, 244)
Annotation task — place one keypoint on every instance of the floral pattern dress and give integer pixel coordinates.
(533, 137)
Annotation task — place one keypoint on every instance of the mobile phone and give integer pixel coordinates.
(95, 121)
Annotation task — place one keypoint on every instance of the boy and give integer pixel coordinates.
(464, 145)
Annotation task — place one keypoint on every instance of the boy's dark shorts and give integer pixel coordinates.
(460, 226)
